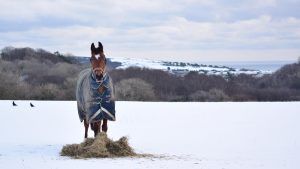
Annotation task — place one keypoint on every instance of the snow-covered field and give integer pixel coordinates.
(189, 135)
(184, 67)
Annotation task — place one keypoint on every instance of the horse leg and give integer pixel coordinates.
(104, 125)
(96, 127)
(86, 127)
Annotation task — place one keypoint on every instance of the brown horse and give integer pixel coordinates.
(98, 67)
(92, 85)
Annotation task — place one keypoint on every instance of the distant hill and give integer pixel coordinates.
(27, 73)
(13, 54)
(177, 68)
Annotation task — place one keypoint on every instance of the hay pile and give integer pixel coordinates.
(100, 147)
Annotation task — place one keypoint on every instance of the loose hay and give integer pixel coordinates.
(100, 147)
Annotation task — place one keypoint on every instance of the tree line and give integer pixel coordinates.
(35, 74)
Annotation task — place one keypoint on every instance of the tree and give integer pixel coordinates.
(134, 89)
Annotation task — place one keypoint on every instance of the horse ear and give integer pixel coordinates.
(100, 46)
(93, 47)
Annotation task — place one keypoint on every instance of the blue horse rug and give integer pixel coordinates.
(91, 104)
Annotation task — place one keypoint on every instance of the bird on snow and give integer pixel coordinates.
(31, 105)
(14, 104)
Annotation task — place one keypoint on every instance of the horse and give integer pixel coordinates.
(95, 94)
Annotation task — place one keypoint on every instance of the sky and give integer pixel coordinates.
(185, 30)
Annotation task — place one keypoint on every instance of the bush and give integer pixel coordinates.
(134, 89)
(199, 95)
(217, 95)
(214, 95)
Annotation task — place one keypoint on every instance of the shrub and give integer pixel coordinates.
(215, 95)
(48, 92)
(199, 95)
(134, 89)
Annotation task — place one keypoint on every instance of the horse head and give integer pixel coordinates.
(98, 63)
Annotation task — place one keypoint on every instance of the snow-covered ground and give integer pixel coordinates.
(184, 67)
(190, 135)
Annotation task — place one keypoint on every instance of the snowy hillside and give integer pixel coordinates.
(182, 68)
(229, 135)
(179, 68)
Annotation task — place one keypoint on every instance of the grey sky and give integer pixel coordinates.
(195, 30)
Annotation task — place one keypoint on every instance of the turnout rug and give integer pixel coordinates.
(92, 104)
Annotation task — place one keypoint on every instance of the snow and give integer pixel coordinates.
(186, 67)
(248, 135)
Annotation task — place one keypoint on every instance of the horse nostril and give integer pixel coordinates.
(99, 77)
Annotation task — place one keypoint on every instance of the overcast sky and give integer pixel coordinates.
(194, 30)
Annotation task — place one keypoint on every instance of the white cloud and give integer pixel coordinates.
(145, 27)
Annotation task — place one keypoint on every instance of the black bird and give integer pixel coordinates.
(14, 104)
(31, 105)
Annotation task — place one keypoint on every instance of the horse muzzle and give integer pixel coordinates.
(99, 77)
